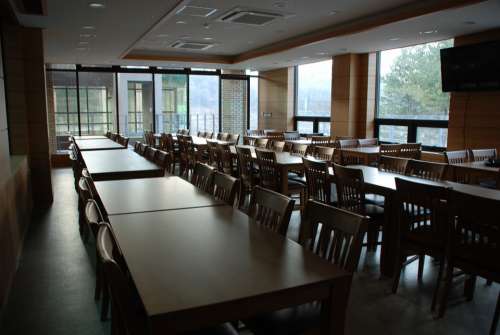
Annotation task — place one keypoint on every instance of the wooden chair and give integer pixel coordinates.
(163, 159)
(390, 150)
(275, 135)
(150, 154)
(277, 146)
(222, 136)
(84, 194)
(456, 157)
(93, 215)
(225, 187)
(477, 155)
(351, 195)
(336, 236)
(213, 153)
(392, 164)
(411, 150)
(271, 209)
(113, 136)
(201, 134)
(209, 134)
(348, 144)
(137, 146)
(203, 176)
(299, 149)
(124, 141)
(425, 170)
(321, 140)
(367, 142)
(247, 140)
(474, 235)
(142, 149)
(323, 153)
(421, 228)
(261, 143)
(108, 134)
(172, 150)
(318, 181)
(233, 139)
(248, 175)
(225, 159)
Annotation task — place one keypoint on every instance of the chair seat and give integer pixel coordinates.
(425, 236)
(295, 185)
(375, 199)
(374, 211)
(289, 321)
(297, 178)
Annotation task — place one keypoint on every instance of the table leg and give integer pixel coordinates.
(284, 179)
(334, 308)
(389, 237)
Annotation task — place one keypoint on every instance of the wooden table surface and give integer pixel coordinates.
(119, 164)
(301, 141)
(98, 144)
(151, 194)
(90, 137)
(199, 267)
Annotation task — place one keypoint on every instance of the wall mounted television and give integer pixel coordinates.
(474, 67)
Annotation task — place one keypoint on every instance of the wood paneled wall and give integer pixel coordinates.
(475, 116)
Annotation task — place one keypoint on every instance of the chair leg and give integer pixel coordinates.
(438, 283)
(446, 289)
(397, 274)
(421, 262)
(470, 285)
(494, 324)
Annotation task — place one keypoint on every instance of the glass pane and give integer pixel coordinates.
(324, 128)
(314, 87)
(305, 127)
(432, 137)
(410, 83)
(62, 108)
(97, 102)
(234, 106)
(203, 103)
(393, 134)
(171, 102)
(254, 103)
(135, 98)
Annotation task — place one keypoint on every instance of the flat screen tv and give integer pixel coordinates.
(474, 67)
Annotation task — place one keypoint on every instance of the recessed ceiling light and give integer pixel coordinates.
(333, 12)
(394, 39)
(88, 27)
(181, 22)
(95, 4)
(208, 38)
(321, 53)
(428, 32)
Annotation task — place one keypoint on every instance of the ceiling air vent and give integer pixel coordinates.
(191, 45)
(196, 11)
(248, 17)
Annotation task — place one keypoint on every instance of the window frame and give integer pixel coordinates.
(412, 124)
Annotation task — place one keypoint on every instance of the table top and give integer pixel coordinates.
(98, 144)
(90, 137)
(151, 194)
(282, 158)
(364, 150)
(113, 161)
(480, 165)
(301, 141)
(182, 260)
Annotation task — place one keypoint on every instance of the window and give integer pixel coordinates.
(410, 99)
(171, 102)
(203, 103)
(313, 97)
(254, 103)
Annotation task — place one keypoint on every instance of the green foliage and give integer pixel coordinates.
(412, 87)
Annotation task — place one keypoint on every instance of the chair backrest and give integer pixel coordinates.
(348, 144)
(137, 146)
(203, 176)
(271, 209)
(333, 234)
(482, 154)
(84, 190)
(425, 170)
(224, 158)
(93, 214)
(321, 140)
(392, 164)
(245, 164)
(169, 143)
(318, 180)
(142, 149)
(411, 150)
(163, 159)
(268, 169)
(201, 134)
(209, 134)
(225, 187)
(213, 152)
(222, 136)
(108, 134)
(278, 146)
(292, 135)
(233, 138)
(275, 135)
(247, 140)
(474, 232)
(390, 150)
(150, 154)
(420, 209)
(299, 149)
(323, 153)
(350, 188)
(367, 142)
(456, 156)
(261, 143)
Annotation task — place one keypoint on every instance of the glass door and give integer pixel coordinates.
(171, 102)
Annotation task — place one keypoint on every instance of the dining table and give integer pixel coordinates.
(363, 155)
(119, 164)
(475, 172)
(199, 267)
(151, 194)
(98, 144)
(89, 137)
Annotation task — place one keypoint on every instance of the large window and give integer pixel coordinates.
(254, 103)
(171, 102)
(313, 97)
(411, 104)
(203, 103)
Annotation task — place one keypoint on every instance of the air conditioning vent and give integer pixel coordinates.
(191, 45)
(196, 11)
(253, 18)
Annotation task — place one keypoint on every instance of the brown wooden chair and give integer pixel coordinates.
(108, 134)
(271, 209)
(474, 235)
(411, 150)
(202, 134)
(203, 176)
(124, 141)
(477, 155)
(247, 140)
(456, 157)
(336, 236)
(209, 135)
(213, 153)
(323, 153)
(248, 176)
(142, 149)
(150, 154)
(137, 146)
(225, 160)
(348, 144)
(421, 228)
(275, 135)
(367, 142)
(222, 136)
(318, 181)
(393, 150)
(321, 140)
(233, 139)
(425, 170)
(261, 143)
(225, 187)
(277, 146)
(351, 195)
(392, 164)
(163, 159)
(299, 149)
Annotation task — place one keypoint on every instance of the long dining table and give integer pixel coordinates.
(119, 164)
(98, 144)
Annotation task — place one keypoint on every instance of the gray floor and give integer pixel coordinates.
(53, 288)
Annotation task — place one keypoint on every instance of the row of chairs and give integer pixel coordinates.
(157, 156)
(469, 155)
(123, 140)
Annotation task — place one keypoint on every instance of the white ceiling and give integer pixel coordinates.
(144, 27)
